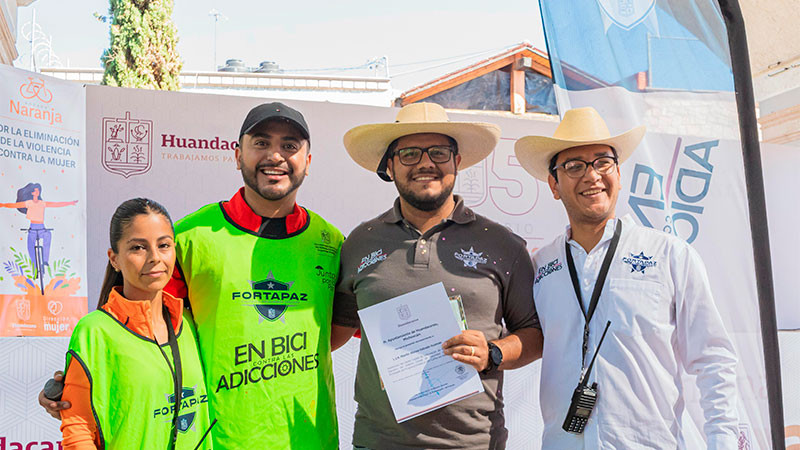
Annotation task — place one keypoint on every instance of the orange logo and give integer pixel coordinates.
(792, 431)
(36, 88)
(23, 309)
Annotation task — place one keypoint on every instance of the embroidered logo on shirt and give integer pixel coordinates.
(270, 297)
(639, 262)
(373, 258)
(547, 269)
(470, 258)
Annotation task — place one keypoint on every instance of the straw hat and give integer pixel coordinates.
(367, 144)
(580, 126)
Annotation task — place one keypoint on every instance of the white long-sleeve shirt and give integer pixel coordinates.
(663, 321)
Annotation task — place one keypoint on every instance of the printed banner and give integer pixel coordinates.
(187, 143)
(666, 65)
(42, 204)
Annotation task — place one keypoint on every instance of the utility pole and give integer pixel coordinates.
(33, 32)
(216, 15)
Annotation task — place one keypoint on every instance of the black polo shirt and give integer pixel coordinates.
(476, 258)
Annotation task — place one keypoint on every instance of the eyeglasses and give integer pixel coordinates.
(438, 154)
(576, 168)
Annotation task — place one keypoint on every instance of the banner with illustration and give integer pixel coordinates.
(666, 65)
(42, 204)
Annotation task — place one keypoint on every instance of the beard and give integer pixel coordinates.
(270, 191)
(424, 202)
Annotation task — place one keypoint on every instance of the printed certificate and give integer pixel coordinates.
(406, 335)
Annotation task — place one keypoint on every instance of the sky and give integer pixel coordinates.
(306, 35)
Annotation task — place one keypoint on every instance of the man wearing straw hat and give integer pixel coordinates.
(651, 286)
(430, 236)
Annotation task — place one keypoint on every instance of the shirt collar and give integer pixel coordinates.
(461, 213)
(608, 231)
(136, 314)
(244, 216)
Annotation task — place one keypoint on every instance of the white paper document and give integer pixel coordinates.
(406, 335)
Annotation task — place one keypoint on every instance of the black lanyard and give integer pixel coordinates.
(598, 285)
(177, 373)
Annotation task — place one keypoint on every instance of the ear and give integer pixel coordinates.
(458, 160)
(112, 258)
(390, 168)
(551, 181)
(308, 164)
(238, 153)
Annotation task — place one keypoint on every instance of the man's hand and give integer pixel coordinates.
(53, 407)
(469, 347)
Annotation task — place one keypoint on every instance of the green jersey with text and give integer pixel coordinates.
(132, 389)
(263, 313)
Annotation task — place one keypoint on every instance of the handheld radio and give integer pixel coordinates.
(584, 397)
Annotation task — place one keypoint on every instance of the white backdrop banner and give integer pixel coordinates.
(188, 161)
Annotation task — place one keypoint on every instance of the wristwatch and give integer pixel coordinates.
(495, 357)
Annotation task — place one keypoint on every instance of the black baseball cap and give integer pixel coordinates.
(274, 111)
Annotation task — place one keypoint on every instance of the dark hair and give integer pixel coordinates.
(26, 193)
(552, 167)
(122, 217)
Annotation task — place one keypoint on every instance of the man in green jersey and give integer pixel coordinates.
(259, 272)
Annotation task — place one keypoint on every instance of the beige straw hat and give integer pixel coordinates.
(367, 144)
(580, 126)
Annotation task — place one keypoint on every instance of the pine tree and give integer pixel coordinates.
(143, 51)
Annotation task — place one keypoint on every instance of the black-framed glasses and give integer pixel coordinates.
(410, 156)
(576, 168)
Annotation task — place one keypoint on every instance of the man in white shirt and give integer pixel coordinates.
(653, 289)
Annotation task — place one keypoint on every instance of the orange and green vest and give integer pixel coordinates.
(263, 313)
(132, 389)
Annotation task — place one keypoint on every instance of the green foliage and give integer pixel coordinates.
(26, 266)
(58, 268)
(143, 51)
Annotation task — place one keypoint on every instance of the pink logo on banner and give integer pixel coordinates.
(36, 89)
(127, 145)
(472, 184)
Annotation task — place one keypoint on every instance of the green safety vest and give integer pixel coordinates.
(132, 389)
(263, 313)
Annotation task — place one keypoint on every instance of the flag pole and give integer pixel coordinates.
(756, 200)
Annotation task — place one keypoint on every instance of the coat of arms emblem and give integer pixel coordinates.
(127, 145)
(403, 312)
(626, 14)
(23, 309)
(471, 184)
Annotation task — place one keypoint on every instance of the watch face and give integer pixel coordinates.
(496, 354)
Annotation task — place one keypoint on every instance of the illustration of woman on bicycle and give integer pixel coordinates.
(30, 202)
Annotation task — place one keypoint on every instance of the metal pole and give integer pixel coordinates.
(33, 32)
(756, 200)
(216, 15)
